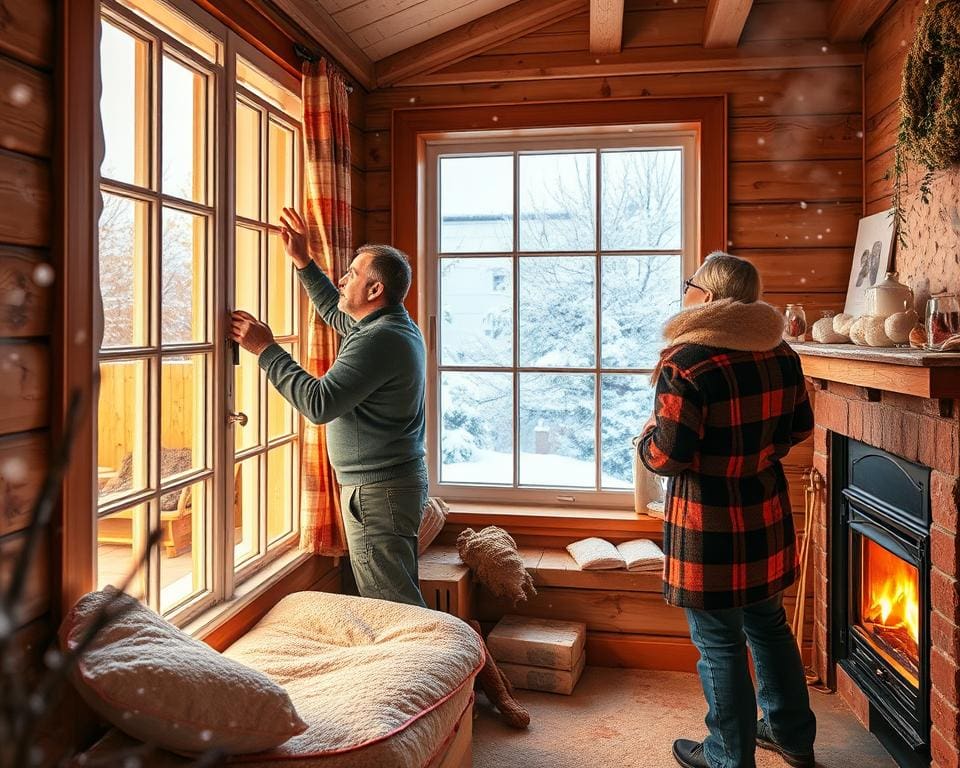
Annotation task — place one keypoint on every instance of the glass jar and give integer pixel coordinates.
(942, 322)
(795, 323)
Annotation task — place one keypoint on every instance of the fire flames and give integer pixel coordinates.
(892, 591)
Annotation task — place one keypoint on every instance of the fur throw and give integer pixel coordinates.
(492, 555)
(727, 324)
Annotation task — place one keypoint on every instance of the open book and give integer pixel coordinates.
(638, 555)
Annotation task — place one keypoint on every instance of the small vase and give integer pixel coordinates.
(795, 323)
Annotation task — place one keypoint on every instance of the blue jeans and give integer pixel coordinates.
(722, 637)
(381, 521)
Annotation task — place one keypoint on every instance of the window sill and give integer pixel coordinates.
(219, 616)
(542, 519)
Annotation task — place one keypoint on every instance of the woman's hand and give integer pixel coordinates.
(251, 334)
(293, 232)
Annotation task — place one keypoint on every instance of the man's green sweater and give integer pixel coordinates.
(372, 397)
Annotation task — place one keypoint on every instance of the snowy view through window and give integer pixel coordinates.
(576, 389)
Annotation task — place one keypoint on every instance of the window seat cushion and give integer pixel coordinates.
(378, 683)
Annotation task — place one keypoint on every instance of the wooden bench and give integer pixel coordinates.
(628, 622)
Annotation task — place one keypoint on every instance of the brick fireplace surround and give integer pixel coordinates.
(925, 431)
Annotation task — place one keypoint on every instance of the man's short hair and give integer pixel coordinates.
(391, 267)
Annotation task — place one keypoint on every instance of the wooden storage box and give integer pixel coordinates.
(536, 642)
(542, 678)
(446, 583)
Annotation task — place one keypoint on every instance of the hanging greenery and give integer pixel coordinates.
(929, 133)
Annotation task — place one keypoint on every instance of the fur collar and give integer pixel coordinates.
(727, 324)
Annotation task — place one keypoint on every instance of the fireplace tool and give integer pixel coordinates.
(811, 498)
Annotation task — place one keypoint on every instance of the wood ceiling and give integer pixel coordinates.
(384, 42)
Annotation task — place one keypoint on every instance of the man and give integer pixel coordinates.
(372, 399)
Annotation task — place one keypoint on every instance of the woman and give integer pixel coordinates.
(730, 402)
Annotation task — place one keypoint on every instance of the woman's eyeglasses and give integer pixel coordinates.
(688, 284)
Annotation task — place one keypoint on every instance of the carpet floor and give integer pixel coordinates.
(619, 718)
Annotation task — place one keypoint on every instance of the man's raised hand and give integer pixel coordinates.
(293, 232)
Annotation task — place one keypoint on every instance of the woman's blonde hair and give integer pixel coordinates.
(729, 277)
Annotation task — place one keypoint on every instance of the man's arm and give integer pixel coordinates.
(353, 376)
(323, 293)
(325, 297)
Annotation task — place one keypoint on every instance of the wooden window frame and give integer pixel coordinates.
(414, 129)
(78, 325)
(682, 137)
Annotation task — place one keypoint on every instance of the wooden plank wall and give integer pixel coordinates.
(930, 264)
(795, 143)
(26, 326)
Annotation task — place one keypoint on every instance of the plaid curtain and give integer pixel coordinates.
(326, 132)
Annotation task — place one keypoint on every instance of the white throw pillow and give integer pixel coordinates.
(595, 554)
(158, 684)
(431, 523)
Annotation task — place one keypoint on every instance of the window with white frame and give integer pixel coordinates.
(183, 102)
(552, 267)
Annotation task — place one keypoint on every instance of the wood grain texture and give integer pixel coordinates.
(937, 382)
(25, 306)
(878, 177)
(25, 200)
(378, 191)
(377, 150)
(25, 382)
(473, 38)
(798, 54)
(724, 22)
(383, 33)
(798, 137)
(850, 19)
(780, 93)
(615, 649)
(603, 610)
(26, 109)
(792, 20)
(792, 225)
(36, 598)
(816, 270)
(23, 465)
(804, 180)
(606, 26)
(26, 31)
(316, 22)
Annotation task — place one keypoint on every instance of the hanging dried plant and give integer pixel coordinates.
(929, 132)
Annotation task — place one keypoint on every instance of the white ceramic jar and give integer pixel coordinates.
(888, 297)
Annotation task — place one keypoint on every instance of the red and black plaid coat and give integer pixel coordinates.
(724, 420)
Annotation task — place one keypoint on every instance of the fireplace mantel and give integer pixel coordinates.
(916, 372)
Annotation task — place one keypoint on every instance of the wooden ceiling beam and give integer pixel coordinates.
(724, 22)
(319, 25)
(688, 59)
(850, 19)
(606, 26)
(518, 19)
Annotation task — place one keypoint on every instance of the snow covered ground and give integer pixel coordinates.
(540, 469)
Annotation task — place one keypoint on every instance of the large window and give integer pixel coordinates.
(554, 265)
(183, 101)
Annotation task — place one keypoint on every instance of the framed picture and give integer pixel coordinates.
(871, 259)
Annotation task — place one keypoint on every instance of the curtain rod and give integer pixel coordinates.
(307, 55)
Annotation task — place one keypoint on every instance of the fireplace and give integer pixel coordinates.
(881, 597)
